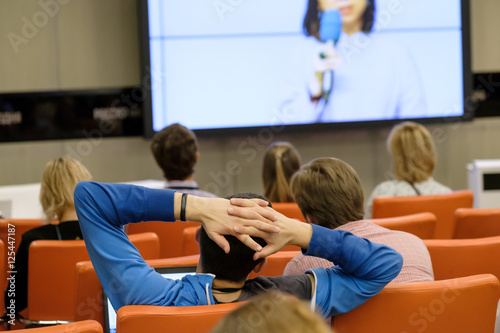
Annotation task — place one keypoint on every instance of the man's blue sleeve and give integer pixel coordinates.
(362, 269)
(102, 211)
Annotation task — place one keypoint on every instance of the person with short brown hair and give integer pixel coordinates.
(175, 149)
(414, 158)
(329, 193)
(281, 160)
(273, 312)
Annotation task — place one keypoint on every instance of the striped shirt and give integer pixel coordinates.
(417, 265)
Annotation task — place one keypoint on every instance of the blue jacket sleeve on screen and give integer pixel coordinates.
(362, 270)
(125, 277)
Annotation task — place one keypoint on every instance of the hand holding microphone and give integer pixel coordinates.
(327, 60)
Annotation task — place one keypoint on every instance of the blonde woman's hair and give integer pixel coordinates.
(330, 191)
(273, 312)
(413, 152)
(58, 184)
(281, 160)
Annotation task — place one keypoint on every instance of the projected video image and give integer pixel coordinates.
(227, 64)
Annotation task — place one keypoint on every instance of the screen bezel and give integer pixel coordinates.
(469, 105)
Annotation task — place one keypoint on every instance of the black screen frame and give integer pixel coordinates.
(469, 104)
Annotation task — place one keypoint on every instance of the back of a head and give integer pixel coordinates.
(413, 152)
(175, 150)
(235, 265)
(329, 190)
(281, 161)
(58, 184)
(273, 312)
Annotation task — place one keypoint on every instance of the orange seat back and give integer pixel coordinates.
(51, 278)
(461, 305)
(88, 289)
(289, 209)
(452, 258)
(87, 326)
(170, 234)
(443, 206)
(154, 319)
(20, 227)
(189, 244)
(3, 271)
(276, 264)
(476, 223)
(147, 243)
(422, 225)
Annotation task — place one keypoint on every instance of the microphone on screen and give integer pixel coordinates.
(330, 27)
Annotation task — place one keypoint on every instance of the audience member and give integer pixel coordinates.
(281, 160)
(329, 193)
(175, 149)
(414, 159)
(272, 312)
(56, 196)
(363, 268)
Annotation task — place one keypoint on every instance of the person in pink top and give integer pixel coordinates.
(329, 193)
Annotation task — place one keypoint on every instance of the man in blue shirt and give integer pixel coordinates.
(362, 268)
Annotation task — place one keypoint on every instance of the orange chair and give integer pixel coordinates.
(3, 272)
(289, 209)
(51, 278)
(20, 227)
(189, 244)
(88, 289)
(153, 319)
(87, 326)
(461, 305)
(442, 205)
(147, 243)
(476, 223)
(170, 234)
(452, 258)
(276, 264)
(422, 225)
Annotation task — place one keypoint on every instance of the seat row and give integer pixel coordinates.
(453, 218)
(448, 257)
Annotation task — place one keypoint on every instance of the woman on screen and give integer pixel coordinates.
(344, 72)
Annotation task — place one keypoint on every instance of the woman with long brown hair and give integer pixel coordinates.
(281, 160)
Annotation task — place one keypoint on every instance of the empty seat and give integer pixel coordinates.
(289, 209)
(422, 225)
(51, 277)
(152, 319)
(170, 234)
(476, 223)
(461, 305)
(452, 258)
(443, 206)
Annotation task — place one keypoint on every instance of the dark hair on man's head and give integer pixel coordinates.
(310, 25)
(174, 149)
(238, 263)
